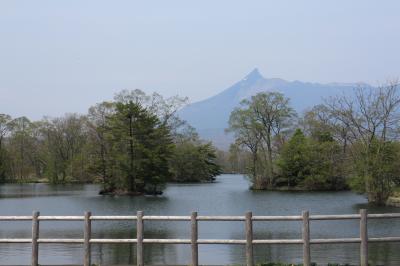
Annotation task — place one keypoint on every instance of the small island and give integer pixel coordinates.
(348, 142)
(133, 146)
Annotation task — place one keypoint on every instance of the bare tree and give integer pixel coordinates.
(164, 108)
(249, 135)
(271, 110)
(371, 113)
(100, 146)
(321, 120)
(371, 116)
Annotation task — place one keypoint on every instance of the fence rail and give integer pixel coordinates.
(194, 241)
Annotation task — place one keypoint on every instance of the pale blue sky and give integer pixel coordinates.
(63, 56)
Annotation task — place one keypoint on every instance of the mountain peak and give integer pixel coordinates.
(211, 116)
(253, 75)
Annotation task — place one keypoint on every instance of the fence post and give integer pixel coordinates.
(87, 235)
(194, 236)
(306, 239)
(35, 236)
(139, 237)
(249, 239)
(364, 237)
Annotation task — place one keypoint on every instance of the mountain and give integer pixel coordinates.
(210, 117)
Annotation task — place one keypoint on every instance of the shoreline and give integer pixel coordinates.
(393, 201)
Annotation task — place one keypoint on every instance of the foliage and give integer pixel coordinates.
(377, 170)
(63, 144)
(295, 160)
(194, 162)
(4, 159)
(260, 125)
(140, 147)
(312, 164)
(248, 135)
(101, 162)
(351, 140)
(126, 144)
(372, 121)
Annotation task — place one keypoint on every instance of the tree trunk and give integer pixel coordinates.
(131, 173)
(103, 164)
(254, 165)
(270, 167)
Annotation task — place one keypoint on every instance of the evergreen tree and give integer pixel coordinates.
(295, 159)
(312, 164)
(141, 147)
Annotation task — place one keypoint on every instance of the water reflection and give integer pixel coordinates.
(229, 196)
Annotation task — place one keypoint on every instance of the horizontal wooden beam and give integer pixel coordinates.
(201, 218)
(199, 241)
(15, 240)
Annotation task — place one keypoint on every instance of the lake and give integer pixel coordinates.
(229, 195)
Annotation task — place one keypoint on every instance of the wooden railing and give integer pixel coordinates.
(248, 220)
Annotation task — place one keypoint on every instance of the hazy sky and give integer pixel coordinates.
(63, 56)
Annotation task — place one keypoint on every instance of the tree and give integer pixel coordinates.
(312, 163)
(141, 148)
(5, 121)
(100, 145)
(295, 159)
(127, 144)
(320, 120)
(64, 141)
(327, 170)
(272, 111)
(194, 162)
(372, 118)
(234, 159)
(247, 134)
(164, 108)
(260, 124)
(371, 113)
(237, 159)
(382, 166)
(102, 130)
(20, 147)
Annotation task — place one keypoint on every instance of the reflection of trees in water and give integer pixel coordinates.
(379, 253)
(106, 254)
(268, 253)
(336, 253)
(181, 200)
(384, 253)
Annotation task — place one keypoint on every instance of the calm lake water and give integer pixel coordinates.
(228, 196)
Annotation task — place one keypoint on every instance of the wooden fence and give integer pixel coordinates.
(194, 241)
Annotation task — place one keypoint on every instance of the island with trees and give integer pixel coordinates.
(137, 143)
(349, 142)
(131, 145)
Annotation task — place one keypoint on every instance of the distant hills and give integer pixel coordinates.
(210, 117)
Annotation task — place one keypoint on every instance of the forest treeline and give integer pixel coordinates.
(136, 143)
(349, 141)
(133, 144)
